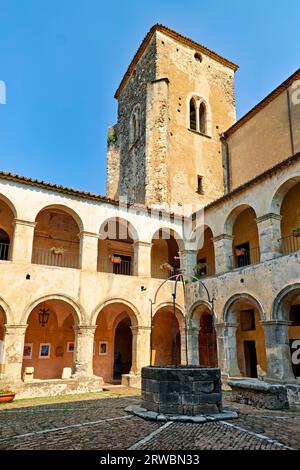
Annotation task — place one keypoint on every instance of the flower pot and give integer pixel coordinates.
(240, 252)
(7, 398)
(116, 260)
(296, 234)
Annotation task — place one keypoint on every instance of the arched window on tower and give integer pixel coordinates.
(135, 124)
(202, 118)
(193, 121)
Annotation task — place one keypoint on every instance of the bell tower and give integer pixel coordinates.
(174, 102)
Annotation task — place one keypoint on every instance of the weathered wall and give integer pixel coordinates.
(263, 140)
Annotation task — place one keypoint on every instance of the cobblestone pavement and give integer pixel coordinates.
(98, 421)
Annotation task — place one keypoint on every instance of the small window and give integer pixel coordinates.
(198, 57)
(295, 315)
(247, 320)
(193, 121)
(200, 185)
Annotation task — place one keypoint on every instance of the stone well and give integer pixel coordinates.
(181, 390)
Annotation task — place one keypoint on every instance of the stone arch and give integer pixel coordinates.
(135, 315)
(166, 248)
(64, 208)
(283, 296)
(195, 312)
(233, 214)
(179, 312)
(281, 191)
(7, 313)
(243, 296)
(10, 204)
(79, 313)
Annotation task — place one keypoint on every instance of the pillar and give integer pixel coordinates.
(269, 232)
(142, 259)
(219, 328)
(223, 253)
(193, 346)
(278, 351)
(84, 335)
(140, 348)
(230, 363)
(14, 337)
(188, 260)
(22, 241)
(88, 251)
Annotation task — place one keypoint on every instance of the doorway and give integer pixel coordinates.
(122, 349)
(250, 359)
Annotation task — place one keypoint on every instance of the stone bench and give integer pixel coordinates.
(260, 394)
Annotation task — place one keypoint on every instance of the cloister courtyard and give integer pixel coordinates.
(98, 421)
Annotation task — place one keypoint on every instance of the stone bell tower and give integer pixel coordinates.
(174, 102)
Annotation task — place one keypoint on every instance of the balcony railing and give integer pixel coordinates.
(4, 251)
(157, 273)
(251, 256)
(106, 266)
(289, 244)
(68, 259)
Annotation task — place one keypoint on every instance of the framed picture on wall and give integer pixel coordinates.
(103, 348)
(27, 354)
(44, 350)
(70, 346)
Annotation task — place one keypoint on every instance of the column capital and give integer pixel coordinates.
(84, 233)
(223, 236)
(270, 215)
(142, 243)
(85, 329)
(28, 223)
(137, 329)
(9, 329)
(275, 322)
(193, 330)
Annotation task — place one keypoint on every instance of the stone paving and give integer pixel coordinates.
(98, 421)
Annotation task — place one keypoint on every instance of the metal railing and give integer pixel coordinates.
(104, 265)
(289, 244)
(68, 259)
(249, 257)
(4, 251)
(157, 273)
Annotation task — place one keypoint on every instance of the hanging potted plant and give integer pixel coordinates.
(6, 395)
(57, 250)
(166, 267)
(240, 251)
(115, 259)
(200, 267)
(296, 232)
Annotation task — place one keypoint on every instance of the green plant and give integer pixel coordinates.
(166, 267)
(112, 139)
(6, 391)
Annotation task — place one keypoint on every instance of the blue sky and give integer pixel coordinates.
(62, 61)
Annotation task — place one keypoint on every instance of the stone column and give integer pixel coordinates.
(140, 348)
(193, 346)
(83, 364)
(13, 352)
(223, 253)
(219, 328)
(22, 241)
(142, 259)
(278, 351)
(230, 362)
(88, 251)
(269, 232)
(188, 261)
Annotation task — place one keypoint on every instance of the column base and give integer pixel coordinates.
(131, 380)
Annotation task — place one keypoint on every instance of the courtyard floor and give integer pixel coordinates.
(97, 421)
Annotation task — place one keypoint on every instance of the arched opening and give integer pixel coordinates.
(163, 353)
(206, 255)
(289, 310)
(290, 220)
(6, 231)
(249, 345)
(2, 331)
(49, 347)
(164, 254)
(122, 349)
(115, 247)
(202, 118)
(56, 241)
(113, 344)
(202, 320)
(193, 120)
(245, 245)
